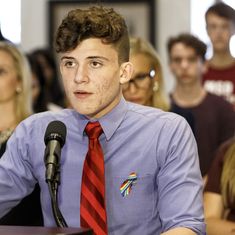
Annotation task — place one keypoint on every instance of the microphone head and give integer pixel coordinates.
(56, 130)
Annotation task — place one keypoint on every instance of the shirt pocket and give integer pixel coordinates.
(137, 206)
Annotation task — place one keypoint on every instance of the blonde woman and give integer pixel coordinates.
(219, 195)
(15, 105)
(15, 95)
(147, 84)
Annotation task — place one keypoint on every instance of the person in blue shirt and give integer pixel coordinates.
(157, 147)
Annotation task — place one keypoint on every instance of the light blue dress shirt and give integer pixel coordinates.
(157, 146)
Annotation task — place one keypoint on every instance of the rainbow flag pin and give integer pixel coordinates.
(126, 186)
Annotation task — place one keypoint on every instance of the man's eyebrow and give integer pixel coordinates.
(89, 57)
(97, 57)
(66, 58)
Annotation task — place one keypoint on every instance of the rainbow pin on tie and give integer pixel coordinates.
(127, 184)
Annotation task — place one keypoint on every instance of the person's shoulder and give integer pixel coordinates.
(216, 99)
(43, 118)
(148, 112)
(157, 122)
(219, 103)
(210, 67)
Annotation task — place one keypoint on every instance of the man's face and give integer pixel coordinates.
(91, 76)
(185, 64)
(219, 30)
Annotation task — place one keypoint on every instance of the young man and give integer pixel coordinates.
(152, 178)
(219, 77)
(210, 116)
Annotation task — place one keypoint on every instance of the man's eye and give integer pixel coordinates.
(192, 59)
(212, 27)
(141, 76)
(176, 60)
(69, 64)
(96, 64)
(2, 71)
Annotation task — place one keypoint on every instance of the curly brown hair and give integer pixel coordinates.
(94, 22)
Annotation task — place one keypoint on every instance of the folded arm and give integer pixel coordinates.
(214, 209)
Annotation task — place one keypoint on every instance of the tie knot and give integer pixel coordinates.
(93, 130)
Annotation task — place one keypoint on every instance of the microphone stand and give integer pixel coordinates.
(54, 139)
(53, 189)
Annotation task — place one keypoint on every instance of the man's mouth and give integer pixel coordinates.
(82, 94)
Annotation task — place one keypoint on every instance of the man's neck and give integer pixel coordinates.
(8, 120)
(221, 59)
(188, 96)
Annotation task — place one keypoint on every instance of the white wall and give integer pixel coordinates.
(34, 24)
(172, 17)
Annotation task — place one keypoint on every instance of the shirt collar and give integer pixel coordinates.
(109, 122)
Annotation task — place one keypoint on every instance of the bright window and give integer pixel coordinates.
(232, 41)
(10, 20)
(198, 24)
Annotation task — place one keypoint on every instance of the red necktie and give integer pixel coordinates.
(92, 207)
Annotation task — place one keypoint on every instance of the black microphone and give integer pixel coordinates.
(54, 139)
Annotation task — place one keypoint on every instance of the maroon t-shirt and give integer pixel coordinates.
(213, 123)
(221, 82)
(214, 175)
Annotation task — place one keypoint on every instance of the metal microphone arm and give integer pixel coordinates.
(54, 139)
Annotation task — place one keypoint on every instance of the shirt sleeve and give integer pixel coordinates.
(16, 177)
(179, 179)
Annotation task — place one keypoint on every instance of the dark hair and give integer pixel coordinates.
(47, 54)
(40, 104)
(223, 10)
(190, 41)
(55, 90)
(94, 22)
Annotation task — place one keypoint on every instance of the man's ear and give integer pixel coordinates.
(126, 71)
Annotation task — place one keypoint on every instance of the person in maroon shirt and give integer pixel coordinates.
(211, 117)
(219, 77)
(219, 192)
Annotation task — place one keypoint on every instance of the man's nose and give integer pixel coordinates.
(81, 75)
(184, 63)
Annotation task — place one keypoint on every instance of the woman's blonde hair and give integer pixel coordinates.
(23, 100)
(141, 46)
(228, 178)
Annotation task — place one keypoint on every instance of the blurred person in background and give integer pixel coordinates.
(15, 101)
(146, 86)
(39, 91)
(53, 86)
(219, 193)
(219, 77)
(15, 106)
(211, 117)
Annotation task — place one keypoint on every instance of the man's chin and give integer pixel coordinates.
(84, 111)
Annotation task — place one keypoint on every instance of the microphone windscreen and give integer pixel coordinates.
(56, 130)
